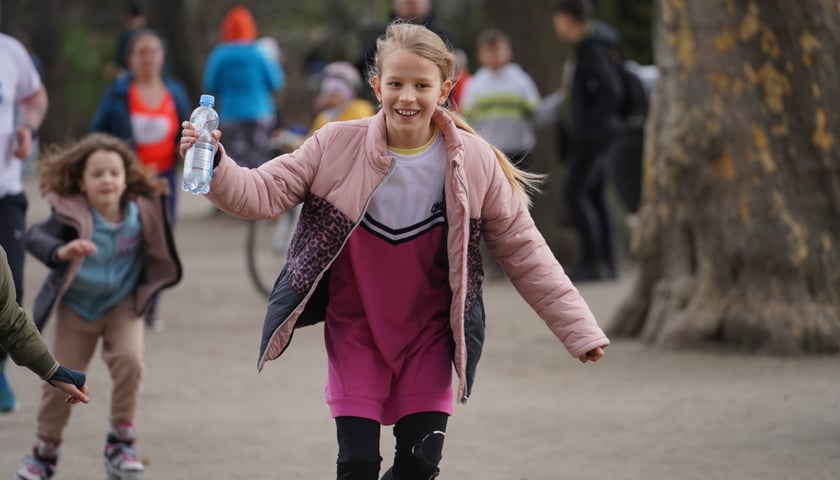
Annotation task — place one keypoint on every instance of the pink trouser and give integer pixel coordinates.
(74, 342)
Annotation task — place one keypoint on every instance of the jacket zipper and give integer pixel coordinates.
(329, 264)
(358, 222)
(456, 171)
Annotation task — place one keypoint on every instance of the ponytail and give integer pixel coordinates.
(523, 183)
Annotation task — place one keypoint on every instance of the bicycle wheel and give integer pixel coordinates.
(267, 244)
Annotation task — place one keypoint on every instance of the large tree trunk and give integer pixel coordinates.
(739, 238)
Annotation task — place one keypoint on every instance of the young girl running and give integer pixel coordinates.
(110, 250)
(386, 253)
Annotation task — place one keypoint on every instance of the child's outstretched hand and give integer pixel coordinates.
(76, 249)
(189, 135)
(592, 356)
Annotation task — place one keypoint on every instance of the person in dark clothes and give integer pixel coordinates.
(589, 122)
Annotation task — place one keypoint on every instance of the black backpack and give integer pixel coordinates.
(626, 153)
(635, 104)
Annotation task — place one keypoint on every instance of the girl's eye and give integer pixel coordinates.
(394, 84)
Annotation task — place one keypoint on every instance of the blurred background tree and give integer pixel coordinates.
(633, 19)
(740, 221)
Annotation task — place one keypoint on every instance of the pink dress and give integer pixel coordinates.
(387, 334)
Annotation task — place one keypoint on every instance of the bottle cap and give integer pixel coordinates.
(207, 100)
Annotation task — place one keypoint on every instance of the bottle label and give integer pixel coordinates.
(202, 157)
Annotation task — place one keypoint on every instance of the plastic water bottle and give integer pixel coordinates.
(198, 161)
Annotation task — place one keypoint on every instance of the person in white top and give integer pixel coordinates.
(20, 88)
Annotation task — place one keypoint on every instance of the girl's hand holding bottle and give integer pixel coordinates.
(189, 135)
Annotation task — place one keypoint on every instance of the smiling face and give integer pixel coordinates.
(103, 181)
(409, 88)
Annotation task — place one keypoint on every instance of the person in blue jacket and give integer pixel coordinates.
(244, 77)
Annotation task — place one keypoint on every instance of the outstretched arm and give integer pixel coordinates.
(26, 346)
(18, 335)
(252, 193)
(520, 248)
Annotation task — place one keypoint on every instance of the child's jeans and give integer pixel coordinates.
(74, 342)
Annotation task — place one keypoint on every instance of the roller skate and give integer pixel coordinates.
(40, 464)
(121, 461)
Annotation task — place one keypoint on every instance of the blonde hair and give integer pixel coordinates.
(424, 43)
(62, 169)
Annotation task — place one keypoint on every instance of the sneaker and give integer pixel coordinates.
(40, 464)
(8, 402)
(121, 461)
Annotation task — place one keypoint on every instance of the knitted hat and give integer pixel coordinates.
(342, 78)
(239, 25)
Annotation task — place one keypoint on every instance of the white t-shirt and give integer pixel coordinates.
(410, 200)
(18, 80)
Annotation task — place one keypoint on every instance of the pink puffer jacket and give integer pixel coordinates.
(335, 173)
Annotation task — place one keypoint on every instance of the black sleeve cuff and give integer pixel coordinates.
(66, 375)
(217, 157)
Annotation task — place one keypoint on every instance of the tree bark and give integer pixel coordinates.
(740, 224)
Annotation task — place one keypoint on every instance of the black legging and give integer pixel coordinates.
(12, 229)
(418, 451)
(587, 202)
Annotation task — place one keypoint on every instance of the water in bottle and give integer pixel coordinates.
(198, 161)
